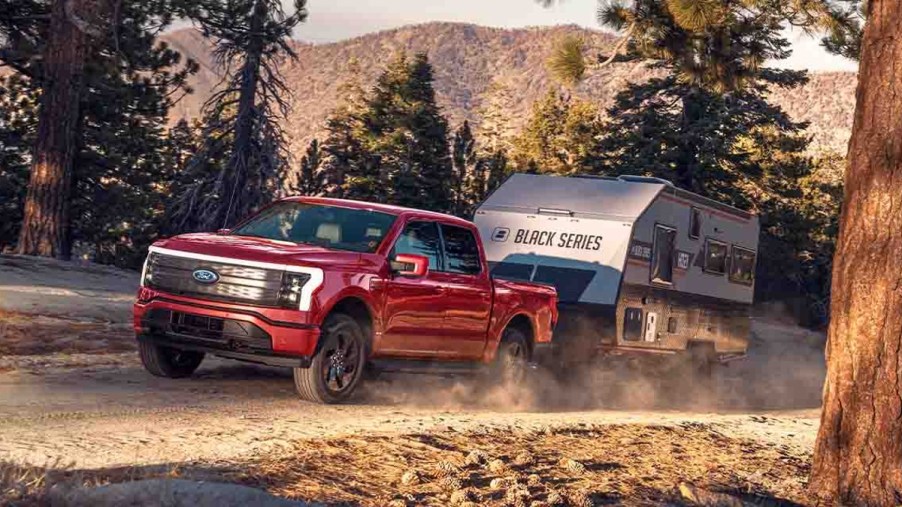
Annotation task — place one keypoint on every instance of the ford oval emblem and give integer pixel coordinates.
(205, 276)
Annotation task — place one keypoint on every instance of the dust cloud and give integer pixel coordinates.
(784, 370)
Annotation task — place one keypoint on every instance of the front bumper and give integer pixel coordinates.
(244, 333)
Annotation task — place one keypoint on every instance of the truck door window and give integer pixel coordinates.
(715, 257)
(420, 238)
(461, 251)
(662, 256)
(742, 266)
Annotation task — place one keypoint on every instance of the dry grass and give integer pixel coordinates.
(628, 465)
(27, 486)
(625, 465)
(22, 334)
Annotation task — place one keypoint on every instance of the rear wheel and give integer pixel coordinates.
(512, 360)
(338, 366)
(168, 362)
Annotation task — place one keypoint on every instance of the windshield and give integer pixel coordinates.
(328, 226)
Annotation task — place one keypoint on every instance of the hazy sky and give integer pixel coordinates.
(332, 20)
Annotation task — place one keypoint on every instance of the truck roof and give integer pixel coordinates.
(381, 208)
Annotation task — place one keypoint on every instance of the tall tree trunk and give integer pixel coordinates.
(858, 455)
(687, 161)
(46, 220)
(242, 187)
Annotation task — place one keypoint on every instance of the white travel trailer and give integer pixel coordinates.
(639, 265)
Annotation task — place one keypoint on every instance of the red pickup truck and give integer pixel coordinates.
(331, 287)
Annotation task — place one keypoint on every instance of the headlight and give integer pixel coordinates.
(147, 272)
(290, 293)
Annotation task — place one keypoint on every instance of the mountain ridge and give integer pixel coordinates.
(469, 62)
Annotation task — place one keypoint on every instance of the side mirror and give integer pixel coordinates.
(410, 265)
(223, 232)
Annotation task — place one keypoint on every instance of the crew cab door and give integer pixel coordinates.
(415, 307)
(469, 294)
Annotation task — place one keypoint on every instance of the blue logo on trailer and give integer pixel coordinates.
(205, 276)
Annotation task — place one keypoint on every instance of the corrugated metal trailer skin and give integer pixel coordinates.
(639, 264)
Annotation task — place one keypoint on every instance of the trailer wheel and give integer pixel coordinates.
(703, 361)
(167, 362)
(337, 367)
(512, 359)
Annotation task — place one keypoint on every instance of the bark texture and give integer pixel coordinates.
(858, 455)
(46, 220)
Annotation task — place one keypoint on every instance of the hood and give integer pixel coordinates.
(257, 249)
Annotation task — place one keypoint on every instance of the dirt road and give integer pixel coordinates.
(116, 414)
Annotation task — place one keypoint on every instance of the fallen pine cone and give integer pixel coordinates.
(497, 466)
(573, 466)
(476, 457)
(524, 459)
(410, 477)
(517, 495)
(462, 496)
(555, 499)
(451, 484)
(446, 468)
(501, 482)
(580, 499)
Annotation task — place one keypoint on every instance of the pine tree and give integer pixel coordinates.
(562, 136)
(346, 161)
(182, 141)
(496, 131)
(310, 176)
(18, 118)
(719, 45)
(408, 138)
(70, 34)
(250, 36)
(493, 168)
(464, 159)
(129, 82)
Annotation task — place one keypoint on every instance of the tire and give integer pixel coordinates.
(703, 360)
(338, 366)
(512, 358)
(167, 362)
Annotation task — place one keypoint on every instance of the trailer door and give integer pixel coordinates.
(663, 255)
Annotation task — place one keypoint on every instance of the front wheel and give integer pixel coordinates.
(168, 362)
(338, 365)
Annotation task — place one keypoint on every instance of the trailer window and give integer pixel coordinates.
(513, 271)
(461, 251)
(715, 257)
(742, 266)
(695, 222)
(570, 283)
(662, 255)
(420, 238)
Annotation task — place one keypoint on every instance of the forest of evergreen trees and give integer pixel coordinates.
(105, 176)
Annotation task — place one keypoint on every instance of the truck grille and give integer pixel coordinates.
(236, 284)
